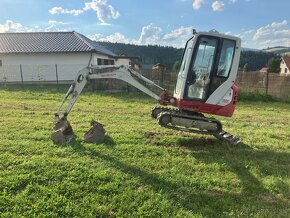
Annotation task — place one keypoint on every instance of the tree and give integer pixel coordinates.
(274, 65)
(255, 59)
(175, 67)
(246, 67)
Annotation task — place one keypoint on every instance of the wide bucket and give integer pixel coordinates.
(96, 134)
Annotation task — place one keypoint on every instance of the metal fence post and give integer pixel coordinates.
(267, 83)
(21, 74)
(56, 74)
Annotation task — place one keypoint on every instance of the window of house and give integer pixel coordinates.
(102, 61)
(0, 63)
(285, 70)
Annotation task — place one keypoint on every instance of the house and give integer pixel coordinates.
(132, 61)
(159, 67)
(264, 70)
(285, 66)
(45, 56)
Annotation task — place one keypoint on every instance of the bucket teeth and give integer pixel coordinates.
(63, 133)
(96, 134)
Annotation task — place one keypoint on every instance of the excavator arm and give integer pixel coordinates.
(63, 130)
(104, 72)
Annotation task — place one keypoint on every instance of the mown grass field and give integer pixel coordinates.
(141, 170)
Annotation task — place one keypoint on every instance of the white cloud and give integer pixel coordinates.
(249, 31)
(150, 35)
(197, 4)
(60, 10)
(10, 26)
(181, 32)
(51, 25)
(55, 26)
(277, 24)
(57, 22)
(270, 35)
(218, 6)
(104, 11)
(232, 1)
(116, 37)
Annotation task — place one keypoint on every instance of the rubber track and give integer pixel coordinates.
(219, 134)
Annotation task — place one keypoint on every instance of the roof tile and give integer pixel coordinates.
(46, 42)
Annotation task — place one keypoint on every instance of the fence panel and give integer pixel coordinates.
(38, 73)
(10, 73)
(68, 72)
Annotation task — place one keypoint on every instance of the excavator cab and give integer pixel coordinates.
(208, 69)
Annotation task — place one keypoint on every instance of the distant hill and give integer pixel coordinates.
(249, 49)
(278, 50)
(149, 54)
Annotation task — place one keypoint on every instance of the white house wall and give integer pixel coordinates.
(123, 61)
(42, 67)
(283, 66)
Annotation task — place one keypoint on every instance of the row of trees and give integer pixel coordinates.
(170, 56)
(255, 60)
(148, 54)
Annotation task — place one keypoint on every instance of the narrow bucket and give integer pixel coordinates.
(63, 133)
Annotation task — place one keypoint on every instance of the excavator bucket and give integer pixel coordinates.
(63, 133)
(96, 134)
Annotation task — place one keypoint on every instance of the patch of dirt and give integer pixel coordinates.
(267, 198)
(214, 193)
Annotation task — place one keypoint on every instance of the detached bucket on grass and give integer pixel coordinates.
(96, 134)
(63, 133)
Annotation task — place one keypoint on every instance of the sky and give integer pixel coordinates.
(259, 23)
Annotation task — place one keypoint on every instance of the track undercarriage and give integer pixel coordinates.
(193, 122)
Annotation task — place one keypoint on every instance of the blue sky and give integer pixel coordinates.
(260, 23)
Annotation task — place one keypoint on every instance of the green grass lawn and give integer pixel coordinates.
(142, 169)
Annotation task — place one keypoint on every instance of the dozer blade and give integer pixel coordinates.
(63, 133)
(96, 134)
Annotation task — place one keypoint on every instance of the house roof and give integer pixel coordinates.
(47, 42)
(264, 70)
(286, 59)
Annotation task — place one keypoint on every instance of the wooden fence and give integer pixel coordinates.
(248, 82)
(262, 83)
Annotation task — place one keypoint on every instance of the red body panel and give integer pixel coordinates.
(226, 111)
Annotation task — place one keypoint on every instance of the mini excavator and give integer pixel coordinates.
(205, 85)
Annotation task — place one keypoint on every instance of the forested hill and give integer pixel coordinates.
(255, 59)
(152, 54)
(149, 54)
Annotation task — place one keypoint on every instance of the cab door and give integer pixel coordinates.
(200, 70)
(182, 74)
